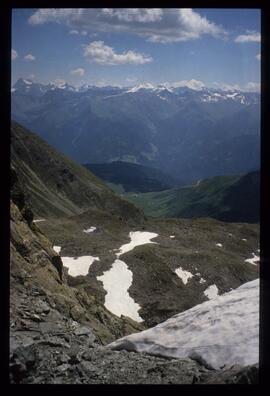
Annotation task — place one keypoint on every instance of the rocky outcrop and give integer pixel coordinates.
(42, 306)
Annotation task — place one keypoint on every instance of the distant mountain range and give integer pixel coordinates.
(226, 198)
(187, 133)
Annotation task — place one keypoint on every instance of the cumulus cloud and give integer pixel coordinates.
(77, 72)
(258, 56)
(14, 54)
(102, 54)
(248, 37)
(157, 25)
(29, 57)
(134, 14)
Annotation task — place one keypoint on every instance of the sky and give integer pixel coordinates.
(129, 46)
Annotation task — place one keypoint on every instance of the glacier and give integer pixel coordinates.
(221, 332)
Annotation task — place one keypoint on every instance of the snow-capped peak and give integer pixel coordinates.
(61, 84)
(141, 86)
(28, 82)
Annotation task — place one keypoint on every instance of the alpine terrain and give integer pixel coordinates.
(100, 293)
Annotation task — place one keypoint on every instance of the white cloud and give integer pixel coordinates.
(157, 25)
(73, 31)
(76, 32)
(102, 54)
(77, 72)
(134, 14)
(14, 54)
(252, 87)
(258, 56)
(249, 37)
(227, 87)
(29, 57)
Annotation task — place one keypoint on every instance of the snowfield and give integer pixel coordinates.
(137, 238)
(116, 282)
(78, 265)
(219, 332)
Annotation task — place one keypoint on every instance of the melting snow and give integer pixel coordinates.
(184, 275)
(78, 265)
(211, 292)
(116, 282)
(137, 238)
(57, 249)
(219, 244)
(202, 280)
(91, 229)
(253, 260)
(223, 331)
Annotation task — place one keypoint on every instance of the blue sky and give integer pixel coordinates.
(220, 47)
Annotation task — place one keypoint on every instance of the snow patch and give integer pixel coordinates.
(223, 331)
(172, 236)
(116, 282)
(57, 249)
(244, 239)
(78, 265)
(137, 238)
(38, 220)
(184, 275)
(219, 244)
(253, 259)
(202, 280)
(91, 229)
(211, 292)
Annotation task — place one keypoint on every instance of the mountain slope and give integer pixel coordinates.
(57, 186)
(57, 332)
(104, 243)
(132, 177)
(227, 198)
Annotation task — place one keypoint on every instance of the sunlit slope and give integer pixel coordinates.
(227, 198)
